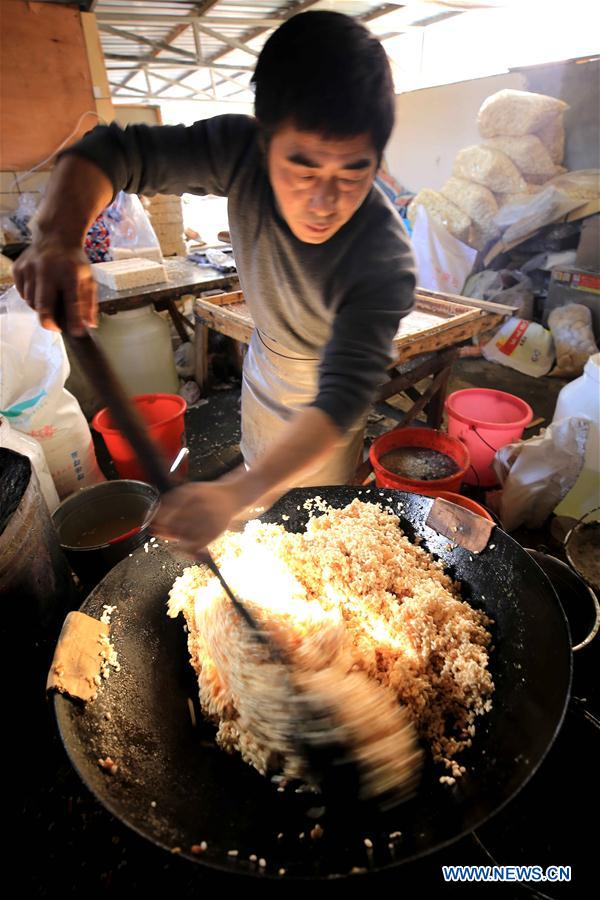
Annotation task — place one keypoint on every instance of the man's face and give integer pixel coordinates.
(319, 183)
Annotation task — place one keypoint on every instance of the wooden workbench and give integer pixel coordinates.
(184, 277)
(425, 347)
(438, 322)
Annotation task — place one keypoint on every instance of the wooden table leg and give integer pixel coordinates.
(201, 354)
(435, 407)
(176, 319)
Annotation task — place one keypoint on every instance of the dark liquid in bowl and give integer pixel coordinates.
(420, 463)
(105, 531)
(100, 522)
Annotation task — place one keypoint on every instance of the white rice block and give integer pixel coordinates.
(168, 218)
(121, 253)
(164, 200)
(168, 227)
(166, 240)
(139, 253)
(149, 253)
(121, 274)
(175, 250)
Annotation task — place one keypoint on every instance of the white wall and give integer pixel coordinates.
(186, 112)
(433, 124)
(135, 113)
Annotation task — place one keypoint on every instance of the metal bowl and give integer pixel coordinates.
(102, 524)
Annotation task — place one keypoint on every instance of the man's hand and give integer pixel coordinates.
(53, 275)
(56, 280)
(196, 513)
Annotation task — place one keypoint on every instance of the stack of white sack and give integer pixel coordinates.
(522, 149)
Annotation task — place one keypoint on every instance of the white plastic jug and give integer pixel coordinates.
(582, 398)
(138, 344)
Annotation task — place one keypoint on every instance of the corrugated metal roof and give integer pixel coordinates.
(158, 49)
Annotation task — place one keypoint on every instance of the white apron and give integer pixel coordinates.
(276, 384)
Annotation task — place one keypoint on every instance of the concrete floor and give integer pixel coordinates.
(213, 429)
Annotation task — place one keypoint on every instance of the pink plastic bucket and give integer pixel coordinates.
(486, 420)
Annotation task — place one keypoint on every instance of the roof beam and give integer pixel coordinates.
(201, 7)
(173, 63)
(231, 42)
(153, 19)
(298, 7)
(139, 39)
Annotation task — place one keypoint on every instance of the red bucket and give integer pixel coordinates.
(164, 418)
(422, 438)
(486, 420)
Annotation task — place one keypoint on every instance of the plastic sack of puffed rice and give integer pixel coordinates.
(492, 168)
(516, 112)
(571, 328)
(442, 211)
(527, 152)
(478, 203)
(552, 136)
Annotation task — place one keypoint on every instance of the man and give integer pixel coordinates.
(321, 256)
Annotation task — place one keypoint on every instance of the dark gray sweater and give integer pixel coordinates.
(339, 302)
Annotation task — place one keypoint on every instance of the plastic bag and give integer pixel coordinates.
(521, 345)
(518, 197)
(28, 446)
(489, 167)
(443, 262)
(571, 328)
(130, 230)
(581, 184)
(518, 220)
(17, 224)
(516, 112)
(185, 361)
(536, 474)
(508, 286)
(33, 399)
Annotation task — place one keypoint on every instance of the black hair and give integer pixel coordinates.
(325, 72)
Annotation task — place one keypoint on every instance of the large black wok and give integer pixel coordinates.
(175, 787)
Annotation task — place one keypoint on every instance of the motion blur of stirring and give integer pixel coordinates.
(350, 740)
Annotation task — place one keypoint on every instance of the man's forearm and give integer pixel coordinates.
(77, 192)
(309, 438)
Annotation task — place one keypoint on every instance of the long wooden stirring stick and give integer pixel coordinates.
(99, 372)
